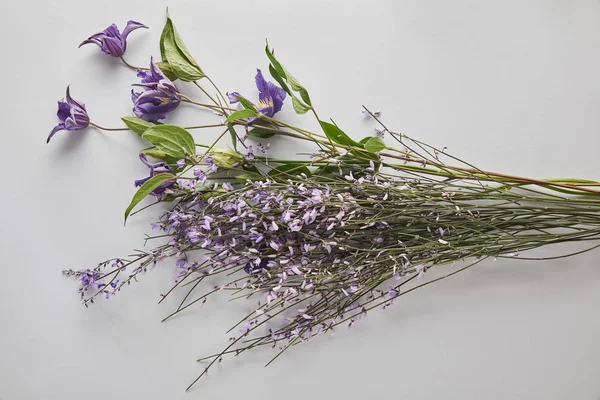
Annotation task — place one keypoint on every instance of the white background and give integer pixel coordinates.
(512, 86)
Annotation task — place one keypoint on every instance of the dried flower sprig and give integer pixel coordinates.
(317, 242)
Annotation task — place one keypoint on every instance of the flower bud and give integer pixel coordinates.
(225, 158)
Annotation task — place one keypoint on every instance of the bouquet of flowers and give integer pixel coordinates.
(315, 242)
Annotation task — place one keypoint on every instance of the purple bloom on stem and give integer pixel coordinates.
(111, 41)
(155, 169)
(160, 97)
(270, 97)
(72, 116)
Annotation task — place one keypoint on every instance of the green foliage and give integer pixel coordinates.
(146, 189)
(176, 55)
(136, 124)
(241, 114)
(173, 140)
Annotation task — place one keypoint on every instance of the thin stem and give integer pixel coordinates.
(107, 129)
(131, 66)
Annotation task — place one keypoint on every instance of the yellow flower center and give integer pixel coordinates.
(265, 103)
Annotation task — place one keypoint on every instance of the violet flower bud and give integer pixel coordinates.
(111, 41)
(72, 115)
(155, 169)
(159, 98)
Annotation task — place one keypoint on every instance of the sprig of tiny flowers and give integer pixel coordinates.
(316, 242)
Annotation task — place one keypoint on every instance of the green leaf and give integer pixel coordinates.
(174, 52)
(276, 65)
(263, 129)
(246, 104)
(136, 124)
(161, 155)
(299, 106)
(146, 189)
(286, 171)
(233, 134)
(158, 154)
(167, 70)
(336, 135)
(374, 145)
(304, 95)
(260, 133)
(279, 79)
(240, 114)
(173, 140)
(283, 77)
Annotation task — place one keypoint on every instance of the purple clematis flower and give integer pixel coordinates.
(160, 97)
(72, 116)
(270, 97)
(155, 169)
(111, 41)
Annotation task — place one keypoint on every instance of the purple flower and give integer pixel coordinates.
(270, 97)
(111, 41)
(155, 169)
(72, 116)
(159, 98)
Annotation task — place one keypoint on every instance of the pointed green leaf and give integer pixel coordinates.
(155, 153)
(260, 133)
(276, 65)
(246, 103)
(299, 106)
(174, 52)
(336, 135)
(279, 79)
(374, 145)
(262, 129)
(136, 124)
(146, 189)
(173, 140)
(167, 70)
(304, 95)
(240, 114)
(233, 134)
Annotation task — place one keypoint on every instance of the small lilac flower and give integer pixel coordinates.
(155, 169)
(270, 97)
(249, 154)
(111, 41)
(72, 116)
(160, 97)
(181, 163)
(227, 186)
(261, 148)
(366, 113)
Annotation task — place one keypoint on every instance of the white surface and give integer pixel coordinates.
(511, 86)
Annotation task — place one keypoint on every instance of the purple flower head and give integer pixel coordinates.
(72, 116)
(111, 41)
(159, 98)
(155, 169)
(270, 97)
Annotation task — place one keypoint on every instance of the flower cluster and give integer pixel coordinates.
(320, 240)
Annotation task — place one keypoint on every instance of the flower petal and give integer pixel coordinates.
(59, 127)
(131, 26)
(64, 111)
(72, 102)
